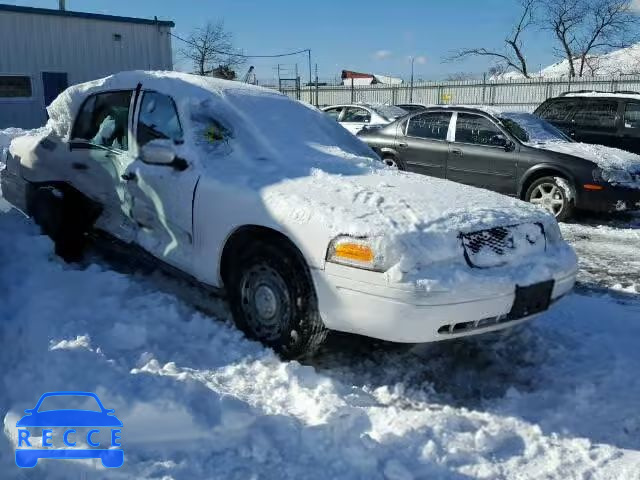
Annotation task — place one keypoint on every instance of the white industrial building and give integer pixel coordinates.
(42, 51)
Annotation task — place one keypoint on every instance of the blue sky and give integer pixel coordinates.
(373, 36)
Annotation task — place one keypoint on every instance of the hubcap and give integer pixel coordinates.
(265, 302)
(390, 162)
(549, 196)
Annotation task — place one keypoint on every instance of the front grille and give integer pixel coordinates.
(497, 246)
(496, 239)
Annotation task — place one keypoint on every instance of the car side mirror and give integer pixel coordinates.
(510, 146)
(161, 152)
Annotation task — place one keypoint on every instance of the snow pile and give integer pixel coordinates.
(624, 61)
(617, 166)
(197, 400)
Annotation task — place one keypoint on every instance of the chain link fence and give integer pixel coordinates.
(524, 95)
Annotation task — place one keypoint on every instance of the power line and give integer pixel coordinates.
(220, 52)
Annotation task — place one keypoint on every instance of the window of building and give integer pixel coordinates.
(15, 86)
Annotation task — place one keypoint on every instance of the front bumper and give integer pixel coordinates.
(610, 199)
(356, 305)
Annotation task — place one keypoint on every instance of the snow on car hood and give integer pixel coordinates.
(617, 166)
(415, 223)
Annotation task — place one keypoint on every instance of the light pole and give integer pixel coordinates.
(413, 59)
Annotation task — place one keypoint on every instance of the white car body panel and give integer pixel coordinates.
(310, 189)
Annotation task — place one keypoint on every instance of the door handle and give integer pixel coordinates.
(403, 145)
(456, 152)
(129, 176)
(79, 166)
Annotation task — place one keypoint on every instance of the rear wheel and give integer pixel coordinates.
(60, 216)
(552, 195)
(273, 300)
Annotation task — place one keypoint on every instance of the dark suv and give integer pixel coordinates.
(513, 153)
(611, 119)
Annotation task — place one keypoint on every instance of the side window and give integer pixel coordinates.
(334, 113)
(477, 130)
(632, 115)
(103, 120)
(558, 110)
(357, 115)
(596, 114)
(429, 125)
(158, 119)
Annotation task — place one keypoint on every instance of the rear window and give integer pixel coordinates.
(429, 125)
(632, 115)
(557, 110)
(596, 114)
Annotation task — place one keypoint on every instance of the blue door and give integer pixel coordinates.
(54, 83)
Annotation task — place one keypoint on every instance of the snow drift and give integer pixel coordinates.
(197, 400)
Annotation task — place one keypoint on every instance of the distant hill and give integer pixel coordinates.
(625, 61)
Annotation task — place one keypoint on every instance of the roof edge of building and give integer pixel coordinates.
(92, 16)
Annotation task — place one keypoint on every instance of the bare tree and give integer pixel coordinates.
(512, 55)
(586, 29)
(211, 48)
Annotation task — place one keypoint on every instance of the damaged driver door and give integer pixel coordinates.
(160, 183)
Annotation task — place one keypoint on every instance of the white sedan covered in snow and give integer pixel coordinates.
(295, 219)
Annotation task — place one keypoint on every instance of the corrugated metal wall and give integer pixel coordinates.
(516, 95)
(83, 48)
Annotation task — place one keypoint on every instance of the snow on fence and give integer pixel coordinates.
(524, 94)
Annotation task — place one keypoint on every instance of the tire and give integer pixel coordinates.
(548, 193)
(61, 218)
(393, 162)
(273, 300)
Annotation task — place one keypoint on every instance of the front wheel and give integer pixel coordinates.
(391, 161)
(273, 300)
(554, 194)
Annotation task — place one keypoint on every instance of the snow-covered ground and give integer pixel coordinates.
(555, 399)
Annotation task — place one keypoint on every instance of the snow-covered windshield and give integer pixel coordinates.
(389, 112)
(529, 128)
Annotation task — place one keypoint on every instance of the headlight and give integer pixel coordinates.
(613, 175)
(355, 252)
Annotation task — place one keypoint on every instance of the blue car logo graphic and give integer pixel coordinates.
(68, 419)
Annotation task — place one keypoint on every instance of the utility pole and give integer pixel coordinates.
(317, 92)
(413, 59)
(310, 80)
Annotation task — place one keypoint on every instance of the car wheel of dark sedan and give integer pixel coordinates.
(393, 162)
(550, 194)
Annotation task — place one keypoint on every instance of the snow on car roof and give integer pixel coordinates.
(490, 110)
(634, 96)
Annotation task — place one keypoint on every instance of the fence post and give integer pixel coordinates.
(394, 95)
(352, 92)
(439, 95)
(484, 88)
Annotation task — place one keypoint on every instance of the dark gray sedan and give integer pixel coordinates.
(514, 153)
